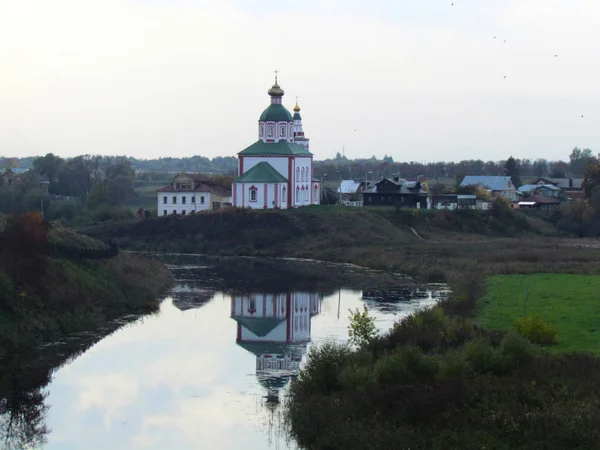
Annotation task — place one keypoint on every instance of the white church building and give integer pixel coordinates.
(277, 171)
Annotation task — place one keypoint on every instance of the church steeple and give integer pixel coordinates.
(275, 123)
(299, 137)
(276, 92)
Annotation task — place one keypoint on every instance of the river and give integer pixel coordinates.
(205, 370)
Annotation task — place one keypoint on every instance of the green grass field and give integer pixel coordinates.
(570, 303)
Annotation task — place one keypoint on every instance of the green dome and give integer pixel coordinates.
(276, 113)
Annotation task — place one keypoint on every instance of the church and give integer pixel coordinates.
(276, 172)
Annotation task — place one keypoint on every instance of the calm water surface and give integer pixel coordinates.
(197, 374)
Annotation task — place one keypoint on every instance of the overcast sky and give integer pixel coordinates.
(414, 79)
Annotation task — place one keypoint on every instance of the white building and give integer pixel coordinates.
(277, 170)
(190, 193)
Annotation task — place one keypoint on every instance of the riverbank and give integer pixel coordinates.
(437, 380)
(54, 282)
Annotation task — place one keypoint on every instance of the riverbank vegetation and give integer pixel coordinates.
(54, 282)
(438, 380)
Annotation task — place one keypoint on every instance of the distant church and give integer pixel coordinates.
(276, 171)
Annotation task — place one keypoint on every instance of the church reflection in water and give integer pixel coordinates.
(276, 329)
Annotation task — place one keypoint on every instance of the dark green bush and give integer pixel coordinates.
(518, 349)
(405, 364)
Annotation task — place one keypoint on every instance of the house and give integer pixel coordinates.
(454, 201)
(540, 202)
(547, 190)
(189, 193)
(571, 187)
(396, 192)
(566, 184)
(276, 329)
(277, 170)
(11, 176)
(497, 186)
(352, 188)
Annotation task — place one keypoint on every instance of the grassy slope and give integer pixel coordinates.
(299, 233)
(571, 303)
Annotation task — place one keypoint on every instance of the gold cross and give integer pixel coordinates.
(276, 72)
(297, 99)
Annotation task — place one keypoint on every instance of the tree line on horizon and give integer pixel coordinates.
(341, 166)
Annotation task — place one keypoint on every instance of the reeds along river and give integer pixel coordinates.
(209, 370)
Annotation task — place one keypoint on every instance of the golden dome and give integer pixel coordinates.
(296, 108)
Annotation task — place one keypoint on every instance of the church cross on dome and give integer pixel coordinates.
(276, 72)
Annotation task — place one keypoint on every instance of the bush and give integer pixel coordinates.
(405, 364)
(518, 349)
(324, 364)
(536, 330)
(454, 366)
(483, 357)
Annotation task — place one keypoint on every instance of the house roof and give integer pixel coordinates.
(401, 187)
(259, 326)
(200, 187)
(283, 148)
(14, 170)
(263, 172)
(533, 187)
(543, 199)
(194, 176)
(349, 187)
(490, 182)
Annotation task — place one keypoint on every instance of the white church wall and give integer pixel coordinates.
(302, 179)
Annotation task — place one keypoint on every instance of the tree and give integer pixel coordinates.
(580, 159)
(511, 168)
(48, 166)
(223, 181)
(591, 178)
(23, 251)
(362, 327)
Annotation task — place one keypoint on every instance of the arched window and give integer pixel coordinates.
(302, 178)
(282, 131)
(297, 195)
(262, 130)
(253, 194)
(270, 130)
(283, 195)
(297, 174)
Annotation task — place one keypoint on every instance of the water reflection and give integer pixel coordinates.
(200, 372)
(276, 329)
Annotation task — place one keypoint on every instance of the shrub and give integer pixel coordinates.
(356, 376)
(483, 357)
(405, 364)
(517, 349)
(324, 364)
(536, 330)
(454, 366)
